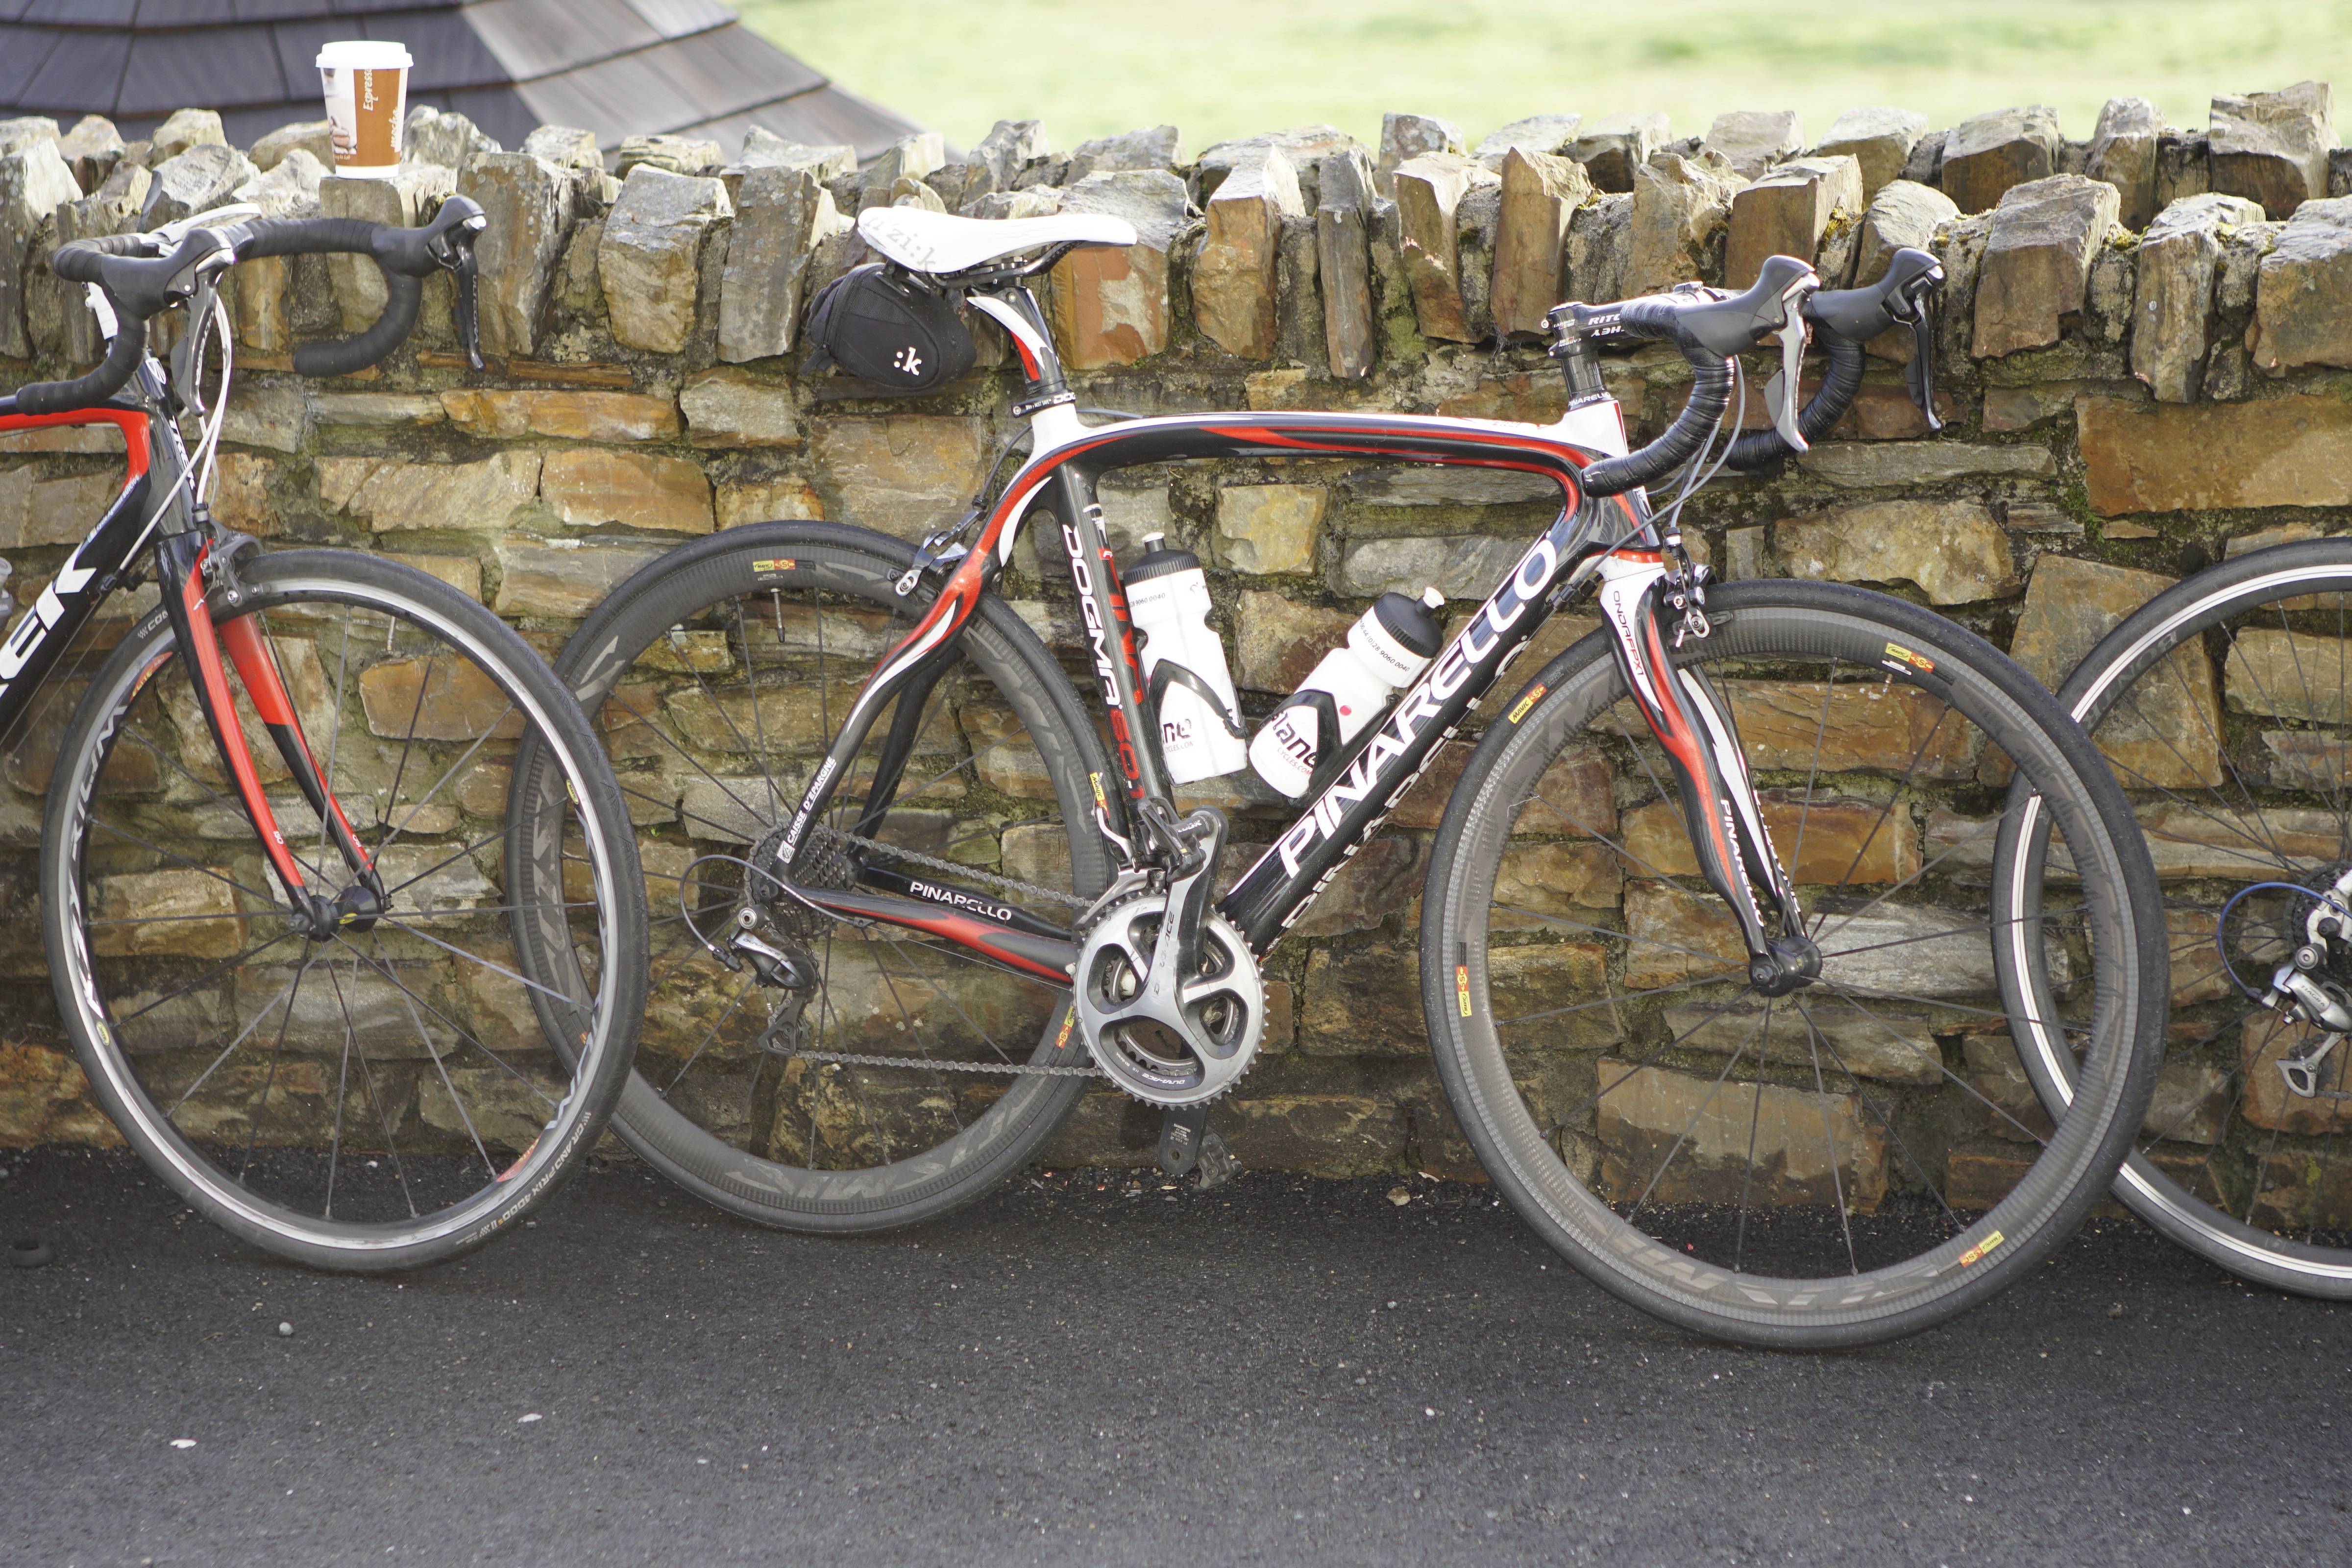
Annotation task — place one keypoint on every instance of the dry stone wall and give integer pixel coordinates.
(2144, 360)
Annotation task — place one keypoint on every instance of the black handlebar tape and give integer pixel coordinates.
(63, 397)
(403, 295)
(303, 236)
(1824, 408)
(1708, 332)
(138, 286)
(1710, 394)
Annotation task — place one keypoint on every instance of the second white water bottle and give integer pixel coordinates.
(1389, 645)
(1183, 661)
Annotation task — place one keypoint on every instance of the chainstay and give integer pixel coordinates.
(950, 867)
(1012, 1068)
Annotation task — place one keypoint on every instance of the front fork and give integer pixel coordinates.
(187, 563)
(1639, 592)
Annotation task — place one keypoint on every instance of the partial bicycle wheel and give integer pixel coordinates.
(386, 1097)
(914, 1074)
(2224, 706)
(1860, 1158)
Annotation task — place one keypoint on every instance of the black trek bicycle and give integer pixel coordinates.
(1711, 959)
(286, 902)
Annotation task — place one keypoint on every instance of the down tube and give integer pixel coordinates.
(1386, 759)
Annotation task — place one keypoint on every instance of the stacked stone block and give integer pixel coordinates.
(2145, 356)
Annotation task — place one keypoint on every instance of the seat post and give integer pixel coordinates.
(1015, 308)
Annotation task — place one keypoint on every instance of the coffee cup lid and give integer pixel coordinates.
(364, 54)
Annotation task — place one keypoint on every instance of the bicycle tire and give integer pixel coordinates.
(2180, 698)
(1880, 728)
(691, 1109)
(449, 1114)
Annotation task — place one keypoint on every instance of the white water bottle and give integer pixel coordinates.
(1389, 645)
(1185, 665)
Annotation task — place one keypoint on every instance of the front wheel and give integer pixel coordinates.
(1861, 1158)
(387, 1096)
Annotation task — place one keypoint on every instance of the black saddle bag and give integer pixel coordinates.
(882, 325)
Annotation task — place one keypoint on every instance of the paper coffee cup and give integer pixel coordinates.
(366, 84)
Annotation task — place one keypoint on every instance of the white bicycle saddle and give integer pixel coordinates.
(924, 241)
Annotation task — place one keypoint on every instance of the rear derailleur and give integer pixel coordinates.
(2310, 986)
(783, 965)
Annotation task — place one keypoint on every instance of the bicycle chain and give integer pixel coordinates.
(1018, 1069)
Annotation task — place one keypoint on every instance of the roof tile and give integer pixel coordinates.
(620, 67)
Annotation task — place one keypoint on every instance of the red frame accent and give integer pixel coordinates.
(256, 666)
(960, 593)
(131, 421)
(204, 658)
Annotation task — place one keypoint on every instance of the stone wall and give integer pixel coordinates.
(2145, 361)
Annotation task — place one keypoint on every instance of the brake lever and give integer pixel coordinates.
(1919, 374)
(454, 250)
(1780, 392)
(469, 312)
(188, 354)
(95, 296)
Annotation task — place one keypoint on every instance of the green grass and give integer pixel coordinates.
(1219, 69)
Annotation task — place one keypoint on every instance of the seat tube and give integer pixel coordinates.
(1110, 637)
(1695, 728)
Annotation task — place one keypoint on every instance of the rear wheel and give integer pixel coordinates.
(917, 1075)
(2224, 706)
(1858, 1159)
(388, 1096)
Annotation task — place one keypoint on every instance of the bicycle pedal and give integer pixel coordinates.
(1215, 1163)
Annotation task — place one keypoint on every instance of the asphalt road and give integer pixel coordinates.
(1090, 1369)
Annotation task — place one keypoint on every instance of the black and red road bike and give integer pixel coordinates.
(284, 899)
(1709, 949)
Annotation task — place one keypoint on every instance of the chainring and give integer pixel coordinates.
(1185, 1047)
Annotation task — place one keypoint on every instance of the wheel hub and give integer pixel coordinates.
(1793, 961)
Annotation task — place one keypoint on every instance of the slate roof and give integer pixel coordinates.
(619, 67)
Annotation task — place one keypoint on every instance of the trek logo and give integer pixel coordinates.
(47, 611)
(960, 900)
(1378, 775)
(908, 362)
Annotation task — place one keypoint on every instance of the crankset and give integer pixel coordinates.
(1168, 991)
